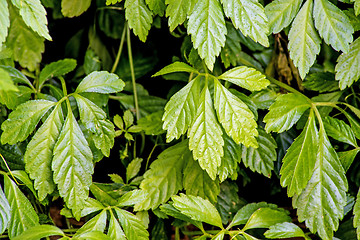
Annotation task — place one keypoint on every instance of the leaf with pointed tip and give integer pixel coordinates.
(285, 112)
(248, 16)
(339, 130)
(157, 6)
(93, 235)
(97, 223)
(132, 226)
(101, 82)
(347, 158)
(23, 120)
(266, 217)
(230, 52)
(321, 82)
(115, 231)
(299, 161)
(177, 11)
(71, 8)
(132, 197)
(357, 214)
(284, 230)
(40, 232)
(346, 71)
(197, 209)
(72, 165)
(205, 136)
(333, 25)
(4, 21)
(6, 84)
(304, 41)
(170, 210)
(4, 212)
(139, 18)
(39, 153)
(176, 67)
(56, 69)
(207, 29)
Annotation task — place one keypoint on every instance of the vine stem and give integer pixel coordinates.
(287, 87)
(118, 55)
(63, 85)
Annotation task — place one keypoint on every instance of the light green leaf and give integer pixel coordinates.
(205, 136)
(56, 69)
(97, 223)
(347, 158)
(94, 119)
(13, 99)
(133, 227)
(4, 212)
(198, 183)
(357, 214)
(34, 15)
(235, 116)
(139, 17)
(299, 161)
(248, 16)
(181, 109)
(23, 120)
(115, 231)
(322, 202)
(261, 159)
(39, 232)
(285, 112)
(339, 130)
(164, 178)
(207, 29)
(177, 11)
(157, 6)
(333, 25)
(284, 230)
(304, 41)
(132, 197)
(266, 217)
(109, 2)
(101, 82)
(346, 71)
(151, 124)
(171, 211)
(6, 84)
(176, 67)
(133, 168)
(72, 165)
(197, 209)
(357, 7)
(93, 235)
(4, 21)
(39, 153)
(16, 75)
(74, 8)
(23, 215)
(281, 13)
(246, 77)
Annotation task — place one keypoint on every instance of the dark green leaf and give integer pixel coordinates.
(176, 67)
(230, 52)
(151, 124)
(321, 82)
(339, 130)
(39, 232)
(56, 69)
(266, 217)
(347, 158)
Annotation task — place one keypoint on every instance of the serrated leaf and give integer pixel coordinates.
(321, 82)
(23, 120)
(22, 214)
(6, 84)
(177, 11)
(246, 77)
(115, 231)
(205, 136)
(197, 209)
(266, 217)
(151, 124)
(172, 211)
(357, 214)
(248, 16)
(304, 42)
(284, 230)
(181, 109)
(230, 52)
(13, 99)
(101, 82)
(133, 168)
(285, 112)
(299, 161)
(97, 223)
(357, 7)
(157, 6)
(164, 178)
(39, 153)
(139, 18)
(74, 8)
(4, 21)
(176, 67)
(207, 29)
(339, 130)
(132, 226)
(322, 202)
(109, 2)
(4, 212)
(346, 71)
(198, 183)
(72, 165)
(39, 232)
(132, 197)
(235, 116)
(34, 15)
(94, 119)
(281, 13)
(56, 69)
(261, 159)
(333, 25)
(346, 158)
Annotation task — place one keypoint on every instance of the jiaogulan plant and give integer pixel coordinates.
(179, 119)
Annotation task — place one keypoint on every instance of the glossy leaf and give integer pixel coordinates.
(132, 226)
(71, 8)
(339, 130)
(115, 231)
(347, 158)
(321, 82)
(284, 230)
(92, 235)
(6, 84)
(97, 223)
(4, 212)
(177, 11)
(172, 211)
(39, 232)
(131, 198)
(156, 6)
(101, 82)
(357, 214)
(139, 17)
(266, 217)
(56, 69)
(176, 67)
(133, 168)
(4, 21)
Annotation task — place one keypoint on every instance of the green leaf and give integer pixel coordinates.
(299, 161)
(4, 212)
(39, 153)
(207, 29)
(97, 223)
(321, 204)
(284, 230)
(333, 25)
(23, 215)
(56, 69)
(101, 82)
(4, 21)
(304, 41)
(16, 75)
(181, 109)
(177, 11)
(235, 116)
(248, 16)
(205, 136)
(354, 20)
(176, 67)
(115, 231)
(266, 217)
(109, 2)
(71, 8)
(346, 71)
(6, 84)
(264, 98)
(285, 112)
(357, 214)
(39, 232)
(133, 168)
(131, 198)
(246, 77)
(93, 235)
(281, 13)
(94, 119)
(357, 7)
(72, 165)
(198, 183)
(164, 178)
(133, 227)
(157, 6)
(339, 130)
(347, 158)
(321, 82)
(172, 211)
(230, 53)
(13, 99)
(197, 209)
(261, 159)
(103, 193)
(23, 120)
(34, 15)
(139, 17)
(151, 124)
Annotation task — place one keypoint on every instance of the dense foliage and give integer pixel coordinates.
(179, 119)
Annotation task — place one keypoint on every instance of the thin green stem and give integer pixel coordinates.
(63, 85)
(152, 151)
(118, 55)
